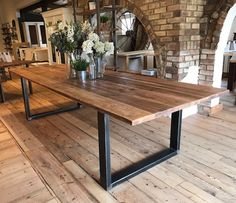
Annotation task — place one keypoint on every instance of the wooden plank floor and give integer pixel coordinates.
(55, 157)
(18, 180)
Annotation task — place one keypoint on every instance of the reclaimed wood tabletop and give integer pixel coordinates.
(14, 63)
(131, 98)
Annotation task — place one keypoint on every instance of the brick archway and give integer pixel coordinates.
(149, 21)
(136, 10)
(126, 4)
(213, 21)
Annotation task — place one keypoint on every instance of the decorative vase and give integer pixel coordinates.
(92, 69)
(70, 72)
(99, 67)
(81, 75)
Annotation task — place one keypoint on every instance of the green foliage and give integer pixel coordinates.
(79, 64)
(69, 38)
(104, 19)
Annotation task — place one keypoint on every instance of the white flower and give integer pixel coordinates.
(99, 47)
(60, 26)
(87, 46)
(85, 57)
(93, 37)
(86, 27)
(70, 33)
(109, 48)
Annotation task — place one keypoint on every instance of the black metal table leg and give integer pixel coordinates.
(104, 150)
(26, 98)
(108, 180)
(30, 87)
(30, 83)
(30, 116)
(175, 132)
(2, 93)
(10, 76)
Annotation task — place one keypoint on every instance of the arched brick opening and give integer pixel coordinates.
(143, 19)
(212, 23)
(136, 10)
(159, 48)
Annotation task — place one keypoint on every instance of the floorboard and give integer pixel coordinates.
(19, 181)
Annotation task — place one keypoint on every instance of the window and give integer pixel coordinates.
(35, 34)
(126, 22)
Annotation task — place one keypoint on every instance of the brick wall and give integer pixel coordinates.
(184, 33)
(207, 58)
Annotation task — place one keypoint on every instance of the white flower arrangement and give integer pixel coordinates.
(87, 46)
(80, 42)
(109, 48)
(93, 37)
(70, 33)
(99, 47)
(95, 47)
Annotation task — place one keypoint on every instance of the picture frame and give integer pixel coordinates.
(2, 57)
(7, 57)
(92, 5)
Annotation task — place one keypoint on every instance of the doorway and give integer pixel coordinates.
(227, 34)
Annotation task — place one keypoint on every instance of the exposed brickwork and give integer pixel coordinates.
(183, 32)
(215, 12)
(207, 58)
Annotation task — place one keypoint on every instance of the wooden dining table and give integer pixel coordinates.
(131, 98)
(3, 66)
(14, 63)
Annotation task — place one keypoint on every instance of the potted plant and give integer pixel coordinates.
(80, 65)
(104, 18)
(68, 40)
(82, 45)
(95, 49)
(105, 23)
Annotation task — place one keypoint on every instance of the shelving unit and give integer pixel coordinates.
(9, 35)
(112, 8)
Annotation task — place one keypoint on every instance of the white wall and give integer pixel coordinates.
(9, 8)
(231, 36)
(233, 30)
(225, 35)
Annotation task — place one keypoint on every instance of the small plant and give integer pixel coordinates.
(79, 64)
(104, 19)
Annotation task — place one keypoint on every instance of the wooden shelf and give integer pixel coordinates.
(9, 34)
(94, 11)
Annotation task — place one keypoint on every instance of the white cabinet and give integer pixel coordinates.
(65, 15)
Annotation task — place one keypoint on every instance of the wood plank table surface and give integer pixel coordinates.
(14, 63)
(3, 66)
(131, 98)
